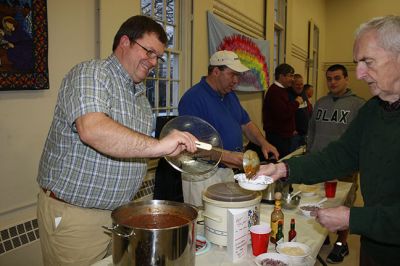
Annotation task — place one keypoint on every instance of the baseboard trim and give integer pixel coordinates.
(18, 236)
(27, 232)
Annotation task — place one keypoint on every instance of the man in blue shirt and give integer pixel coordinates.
(213, 100)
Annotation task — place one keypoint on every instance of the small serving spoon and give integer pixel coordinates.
(321, 201)
(294, 194)
(251, 163)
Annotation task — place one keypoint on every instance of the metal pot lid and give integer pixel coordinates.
(229, 192)
(195, 165)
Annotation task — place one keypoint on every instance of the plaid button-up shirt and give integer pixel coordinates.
(77, 173)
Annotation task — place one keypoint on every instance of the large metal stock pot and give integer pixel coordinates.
(159, 244)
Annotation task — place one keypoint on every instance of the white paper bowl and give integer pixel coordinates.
(286, 247)
(258, 184)
(275, 256)
(250, 186)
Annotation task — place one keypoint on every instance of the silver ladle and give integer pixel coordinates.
(251, 163)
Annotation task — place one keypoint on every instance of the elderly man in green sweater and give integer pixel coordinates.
(371, 145)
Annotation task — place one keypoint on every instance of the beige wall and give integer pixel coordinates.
(26, 115)
(73, 26)
(342, 19)
(110, 22)
(300, 13)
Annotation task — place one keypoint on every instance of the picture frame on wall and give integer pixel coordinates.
(23, 45)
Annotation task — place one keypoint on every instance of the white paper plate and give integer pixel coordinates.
(202, 245)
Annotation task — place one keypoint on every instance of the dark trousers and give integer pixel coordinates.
(297, 141)
(283, 145)
(167, 183)
(365, 258)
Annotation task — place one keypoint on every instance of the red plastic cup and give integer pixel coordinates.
(260, 238)
(330, 189)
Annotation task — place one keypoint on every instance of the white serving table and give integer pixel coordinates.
(308, 230)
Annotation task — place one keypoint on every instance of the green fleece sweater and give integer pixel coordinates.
(371, 145)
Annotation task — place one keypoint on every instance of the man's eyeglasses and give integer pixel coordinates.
(150, 53)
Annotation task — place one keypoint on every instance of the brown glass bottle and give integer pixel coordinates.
(279, 236)
(276, 217)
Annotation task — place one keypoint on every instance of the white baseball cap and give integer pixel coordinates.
(229, 59)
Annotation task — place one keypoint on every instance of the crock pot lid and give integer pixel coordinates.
(230, 192)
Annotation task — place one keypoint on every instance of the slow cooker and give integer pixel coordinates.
(218, 198)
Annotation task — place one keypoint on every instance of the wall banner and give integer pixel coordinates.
(253, 53)
(23, 45)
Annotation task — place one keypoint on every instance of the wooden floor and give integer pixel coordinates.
(354, 248)
(353, 241)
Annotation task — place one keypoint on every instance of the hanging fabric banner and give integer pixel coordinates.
(253, 53)
(23, 45)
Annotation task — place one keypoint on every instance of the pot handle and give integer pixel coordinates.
(216, 218)
(115, 230)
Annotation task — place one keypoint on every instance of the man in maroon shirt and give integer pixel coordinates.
(279, 111)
